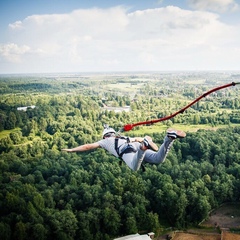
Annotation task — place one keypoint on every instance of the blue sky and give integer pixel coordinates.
(47, 36)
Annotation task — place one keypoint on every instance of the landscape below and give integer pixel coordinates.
(48, 194)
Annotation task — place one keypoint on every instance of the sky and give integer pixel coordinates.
(65, 36)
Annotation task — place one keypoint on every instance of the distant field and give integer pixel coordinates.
(6, 133)
(196, 81)
(124, 87)
(144, 130)
(225, 218)
(162, 128)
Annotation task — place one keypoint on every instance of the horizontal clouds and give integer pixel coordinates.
(214, 5)
(115, 39)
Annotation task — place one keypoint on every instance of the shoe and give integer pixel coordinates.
(172, 133)
(149, 144)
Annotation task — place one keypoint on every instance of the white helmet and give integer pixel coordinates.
(108, 130)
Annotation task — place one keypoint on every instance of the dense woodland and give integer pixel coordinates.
(49, 194)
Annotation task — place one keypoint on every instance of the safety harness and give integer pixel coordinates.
(127, 149)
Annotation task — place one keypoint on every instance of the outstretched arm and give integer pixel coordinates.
(82, 148)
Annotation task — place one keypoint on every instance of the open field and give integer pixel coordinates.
(225, 218)
(6, 133)
(223, 236)
(189, 236)
(158, 127)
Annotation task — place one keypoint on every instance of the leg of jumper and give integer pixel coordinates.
(134, 160)
(160, 155)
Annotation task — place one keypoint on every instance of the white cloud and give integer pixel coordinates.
(115, 40)
(12, 52)
(16, 25)
(214, 5)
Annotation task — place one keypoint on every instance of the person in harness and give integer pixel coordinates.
(132, 150)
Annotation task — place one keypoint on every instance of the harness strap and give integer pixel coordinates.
(127, 149)
(117, 148)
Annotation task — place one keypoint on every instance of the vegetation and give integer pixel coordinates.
(49, 194)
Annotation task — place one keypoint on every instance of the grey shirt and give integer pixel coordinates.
(109, 144)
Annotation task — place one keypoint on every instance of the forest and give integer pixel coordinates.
(49, 194)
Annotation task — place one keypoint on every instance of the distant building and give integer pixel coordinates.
(25, 108)
(137, 236)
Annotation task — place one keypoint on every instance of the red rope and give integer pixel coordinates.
(129, 127)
